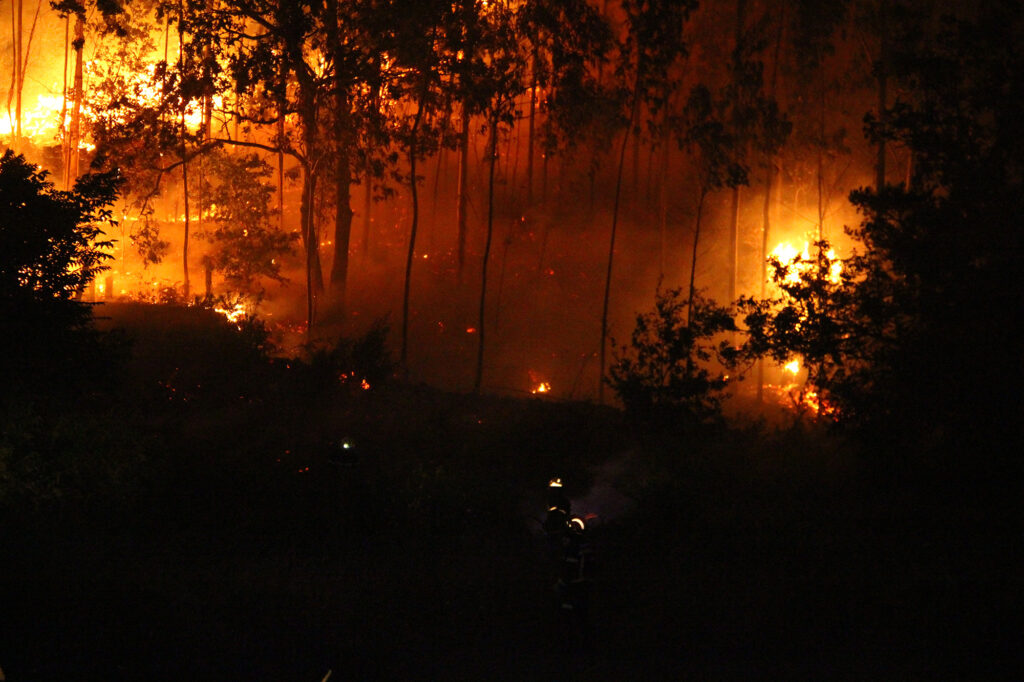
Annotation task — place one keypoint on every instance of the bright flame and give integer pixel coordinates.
(793, 367)
(799, 262)
(234, 315)
(537, 384)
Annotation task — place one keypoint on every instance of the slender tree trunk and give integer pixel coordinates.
(544, 176)
(734, 243)
(308, 117)
(531, 128)
(184, 166)
(19, 72)
(693, 257)
(343, 196)
(27, 53)
(734, 221)
(821, 154)
(64, 104)
(767, 212)
(76, 106)
(342, 162)
(481, 328)
(415, 223)
(309, 243)
(280, 170)
(367, 208)
(460, 212)
(635, 198)
(15, 63)
(881, 68)
(611, 240)
(765, 232)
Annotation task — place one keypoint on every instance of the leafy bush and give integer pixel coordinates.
(672, 372)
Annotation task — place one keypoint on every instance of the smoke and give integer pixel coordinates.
(604, 502)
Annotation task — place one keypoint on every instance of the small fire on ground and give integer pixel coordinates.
(538, 384)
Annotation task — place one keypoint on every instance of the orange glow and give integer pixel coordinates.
(792, 367)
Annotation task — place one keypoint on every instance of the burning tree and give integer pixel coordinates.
(812, 318)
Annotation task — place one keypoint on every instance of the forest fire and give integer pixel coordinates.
(744, 273)
(325, 167)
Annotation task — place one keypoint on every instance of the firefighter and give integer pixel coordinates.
(577, 564)
(556, 522)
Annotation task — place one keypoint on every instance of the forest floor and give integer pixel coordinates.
(211, 526)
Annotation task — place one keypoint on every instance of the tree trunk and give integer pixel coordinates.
(693, 258)
(765, 232)
(367, 209)
(882, 75)
(64, 104)
(76, 106)
(343, 199)
(487, 252)
(19, 72)
(460, 211)
(821, 153)
(611, 240)
(734, 221)
(309, 243)
(769, 176)
(184, 169)
(415, 223)
(663, 198)
(342, 162)
(734, 243)
(531, 130)
(280, 170)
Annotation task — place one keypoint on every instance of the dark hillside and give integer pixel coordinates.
(218, 529)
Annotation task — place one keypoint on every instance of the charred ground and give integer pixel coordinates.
(202, 521)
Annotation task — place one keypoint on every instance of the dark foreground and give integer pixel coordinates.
(204, 524)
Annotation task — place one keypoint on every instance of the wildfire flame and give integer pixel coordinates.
(800, 262)
(792, 367)
(537, 384)
(234, 315)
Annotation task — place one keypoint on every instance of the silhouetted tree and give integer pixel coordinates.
(671, 374)
(52, 245)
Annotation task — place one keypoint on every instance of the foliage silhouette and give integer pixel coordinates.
(666, 376)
